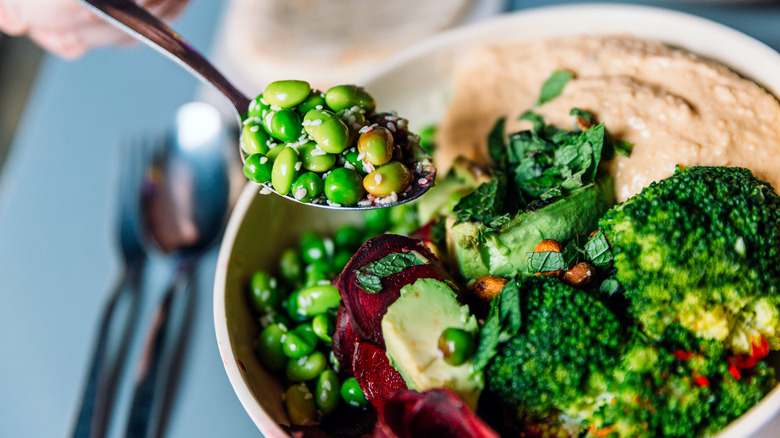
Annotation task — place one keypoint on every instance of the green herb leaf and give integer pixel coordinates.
(554, 86)
(484, 204)
(370, 275)
(623, 147)
(546, 261)
(576, 112)
(496, 144)
(597, 250)
(503, 322)
(610, 286)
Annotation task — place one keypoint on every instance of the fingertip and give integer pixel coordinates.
(11, 21)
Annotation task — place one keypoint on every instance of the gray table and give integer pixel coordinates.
(57, 254)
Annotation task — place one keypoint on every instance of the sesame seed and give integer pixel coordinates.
(263, 160)
(306, 123)
(252, 105)
(361, 155)
(300, 193)
(349, 166)
(265, 190)
(365, 129)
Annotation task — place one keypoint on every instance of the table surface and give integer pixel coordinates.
(58, 258)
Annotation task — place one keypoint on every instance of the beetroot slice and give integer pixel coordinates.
(367, 309)
(434, 413)
(377, 378)
(344, 340)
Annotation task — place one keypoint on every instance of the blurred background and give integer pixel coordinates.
(61, 126)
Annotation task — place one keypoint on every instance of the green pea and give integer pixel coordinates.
(348, 237)
(285, 171)
(254, 139)
(291, 305)
(313, 247)
(341, 258)
(347, 96)
(286, 94)
(355, 163)
(258, 168)
(325, 127)
(323, 326)
(285, 125)
(299, 342)
(352, 394)
(307, 367)
(315, 99)
(262, 288)
(275, 150)
(258, 108)
(269, 347)
(317, 299)
(456, 345)
(315, 159)
(291, 267)
(307, 187)
(377, 221)
(326, 392)
(391, 178)
(344, 186)
(300, 404)
(376, 145)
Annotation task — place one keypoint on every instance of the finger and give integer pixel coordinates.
(165, 9)
(73, 43)
(11, 21)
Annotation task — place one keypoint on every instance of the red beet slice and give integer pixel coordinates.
(434, 413)
(377, 378)
(344, 339)
(367, 309)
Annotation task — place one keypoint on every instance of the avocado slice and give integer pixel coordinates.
(463, 178)
(505, 253)
(411, 329)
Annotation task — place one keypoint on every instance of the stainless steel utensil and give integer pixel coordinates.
(184, 208)
(120, 314)
(140, 24)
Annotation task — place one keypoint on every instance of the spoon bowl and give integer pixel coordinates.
(137, 22)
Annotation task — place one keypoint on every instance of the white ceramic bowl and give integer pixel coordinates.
(416, 82)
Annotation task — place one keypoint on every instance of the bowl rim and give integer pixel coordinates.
(650, 22)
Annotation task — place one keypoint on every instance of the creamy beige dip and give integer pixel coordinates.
(676, 107)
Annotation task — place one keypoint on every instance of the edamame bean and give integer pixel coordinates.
(275, 150)
(285, 125)
(348, 237)
(456, 345)
(326, 392)
(376, 145)
(325, 127)
(316, 276)
(344, 186)
(258, 108)
(314, 158)
(262, 288)
(291, 305)
(254, 139)
(299, 342)
(352, 394)
(317, 299)
(313, 247)
(341, 97)
(258, 168)
(391, 178)
(307, 367)
(269, 347)
(341, 258)
(315, 99)
(323, 325)
(285, 171)
(286, 94)
(355, 163)
(300, 404)
(291, 267)
(307, 187)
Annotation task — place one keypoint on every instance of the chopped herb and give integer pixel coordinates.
(546, 261)
(580, 113)
(622, 147)
(370, 275)
(597, 250)
(502, 323)
(610, 286)
(484, 205)
(554, 86)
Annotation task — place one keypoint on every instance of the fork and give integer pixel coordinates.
(121, 312)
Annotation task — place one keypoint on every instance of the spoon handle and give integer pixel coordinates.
(140, 24)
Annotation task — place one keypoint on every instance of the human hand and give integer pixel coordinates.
(66, 28)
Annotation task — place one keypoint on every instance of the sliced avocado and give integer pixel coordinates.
(463, 178)
(505, 253)
(411, 329)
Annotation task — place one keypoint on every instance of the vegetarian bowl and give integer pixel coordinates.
(418, 84)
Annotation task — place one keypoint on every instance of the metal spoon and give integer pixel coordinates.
(184, 207)
(140, 24)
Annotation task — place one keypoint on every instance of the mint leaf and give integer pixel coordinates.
(369, 276)
(503, 322)
(484, 204)
(546, 261)
(597, 250)
(554, 86)
(576, 112)
(622, 147)
(496, 144)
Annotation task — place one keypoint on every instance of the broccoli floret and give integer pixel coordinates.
(702, 247)
(558, 361)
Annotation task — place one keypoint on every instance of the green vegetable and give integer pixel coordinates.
(315, 159)
(503, 322)
(456, 345)
(258, 168)
(269, 347)
(546, 261)
(300, 404)
(700, 247)
(327, 391)
(315, 99)
(370, 275)
(306, 367)
(352, 394)
(263, 291)
(346, 96)
(314, 248)
(325, 127)
(307, 187)
(344, 186)
(291, 267)
(348, 237)
(299, 342)
(254, 139)
(286, 94)
(323, 325)
(554, 86)
(285, 171)
(376, 145)
(284, 125)
(318, 299)
(391, 178)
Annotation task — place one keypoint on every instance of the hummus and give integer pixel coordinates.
(674, 106)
